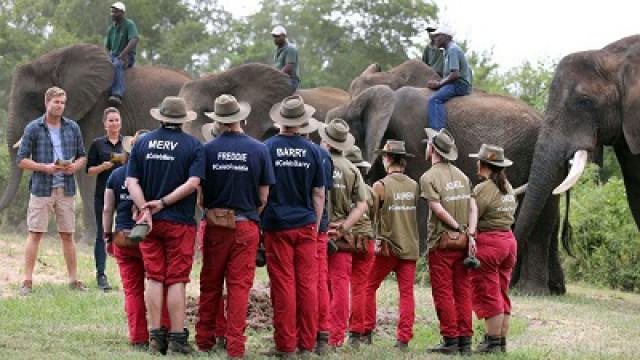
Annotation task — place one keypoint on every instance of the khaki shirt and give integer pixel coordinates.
(449, 186)
(364, 225)
(496, 211)
(348, 188)
(398, 222)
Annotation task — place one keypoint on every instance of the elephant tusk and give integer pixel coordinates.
(17, 144)
(577, 168)
(520, 190)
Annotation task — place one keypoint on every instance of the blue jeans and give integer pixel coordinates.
(99, 252)
(294, 83)
(436, 111)
(117, 88)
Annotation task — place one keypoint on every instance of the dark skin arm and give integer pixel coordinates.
(437, 84)
(124, 54)
(288, 69)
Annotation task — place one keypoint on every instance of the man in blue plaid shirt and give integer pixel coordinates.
(53, 150)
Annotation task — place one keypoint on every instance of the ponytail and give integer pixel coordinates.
(498, 177)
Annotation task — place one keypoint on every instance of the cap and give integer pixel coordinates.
(279, 30)
(119, 6)
(444, 30)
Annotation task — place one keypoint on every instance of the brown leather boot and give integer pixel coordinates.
(490, 344)
(448, 346)
(464, 345)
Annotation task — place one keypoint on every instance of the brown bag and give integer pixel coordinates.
(353, 243)
(383, 248)
(225, 218)
(122, 241)
(453, 240)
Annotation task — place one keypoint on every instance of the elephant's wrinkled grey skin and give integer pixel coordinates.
(324, 99)
(85, 73)
(594, 101)
(409, 73)
(473, 120)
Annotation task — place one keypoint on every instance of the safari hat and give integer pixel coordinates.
(209, 131)
(355, 156)
(310, 127)
(395, 147)
(492, 154)
(443, 143)
(128, 141)
(292, 111)
(228, 110)
(336, 134)
(173, 110)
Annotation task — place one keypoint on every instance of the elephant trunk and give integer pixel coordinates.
(13, 136)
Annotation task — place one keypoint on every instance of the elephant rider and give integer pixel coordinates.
(348, 188)
(290, 222)
(457, 77)
(324, 325)
(451, 208)
(432, 54)
(53, 150)
(163, 173)
(105, 155)
(362, 260)
(496, 247)
(121, 41)
(127, 253)
(238, 173)
(398, 237)
(285, 57)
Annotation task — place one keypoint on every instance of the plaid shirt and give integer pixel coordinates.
(37, 145)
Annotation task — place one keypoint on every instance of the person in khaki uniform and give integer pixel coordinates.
(397, 227)
(361, 260)
(451, 208)
(348, 188)
(496, 247)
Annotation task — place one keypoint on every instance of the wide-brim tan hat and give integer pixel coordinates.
(209, 131)
(173, 110)
(395, 147)
(292, 111)
(355, 156)
(492, 154)
(336, 133)
(228, 110)
(443, 143)
(310, 127)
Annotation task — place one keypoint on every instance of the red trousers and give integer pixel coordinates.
(132, 274)
(227, 255)
(339, 280)
(221, 320)
(497, 255)
(451, 290)
(292, 268)
(168, 252)
(361, 265)
(405, 273)
(323, 283)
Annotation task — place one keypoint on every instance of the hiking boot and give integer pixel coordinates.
(354, 339)
(366, 338)
(464, 345)
(103, 282)
(26, 288)
(77, 285)
(448, 346)
(158, 342)
(179, 343)
(279, 354)
(115, 100)
(401, 345)
(503, 344)
(490, 344)
(221, 344)
(322, 343)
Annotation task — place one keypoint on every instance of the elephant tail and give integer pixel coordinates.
(567, 231)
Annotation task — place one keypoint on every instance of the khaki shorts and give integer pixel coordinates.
(40, 207)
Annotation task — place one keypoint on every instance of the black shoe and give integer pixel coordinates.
(503, 344)
(103, 282)
(322, 343)
(115, 100)
(366, 338)
(402, 346)
(355, 339)
(448, 346)
(179, 343)
(221, 344)
(490, 344)
(464, 345)
(158, 342)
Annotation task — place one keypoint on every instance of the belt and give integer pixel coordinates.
(241, 218)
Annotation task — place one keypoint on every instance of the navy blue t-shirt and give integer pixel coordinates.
(115, 182)
(162, 160)
(327, 166)
(236, 165)
(298, 168)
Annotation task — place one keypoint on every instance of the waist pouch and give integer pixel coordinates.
(225, 218)
(453, 240)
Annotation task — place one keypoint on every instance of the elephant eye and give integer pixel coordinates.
(585, 102)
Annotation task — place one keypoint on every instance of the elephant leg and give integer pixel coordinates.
(556, 274)
(630, 165)
(86, 187)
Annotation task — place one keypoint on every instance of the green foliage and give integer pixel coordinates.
(607, 243)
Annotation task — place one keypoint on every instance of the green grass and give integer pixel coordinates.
(56, 323)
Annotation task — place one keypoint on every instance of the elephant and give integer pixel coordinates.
(259, 85)
(85, 73)
(409, 73)
(594, 101)
(379, 113)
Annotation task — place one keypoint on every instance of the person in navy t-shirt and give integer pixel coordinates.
(163, 173)
(238, 174)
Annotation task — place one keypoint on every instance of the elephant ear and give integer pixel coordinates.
(630, 79)
(368, 115)
(85, 72)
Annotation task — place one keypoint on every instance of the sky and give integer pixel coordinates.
(521, 30)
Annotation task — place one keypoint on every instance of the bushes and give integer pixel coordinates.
(606, 239)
